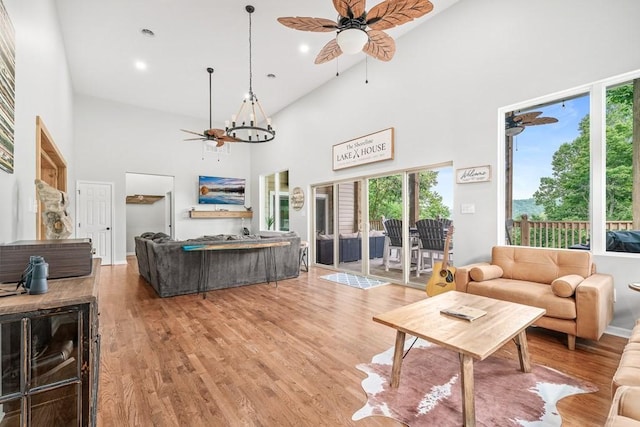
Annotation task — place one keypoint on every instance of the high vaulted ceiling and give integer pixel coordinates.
(103, 40)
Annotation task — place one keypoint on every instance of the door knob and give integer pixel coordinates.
(108, 228)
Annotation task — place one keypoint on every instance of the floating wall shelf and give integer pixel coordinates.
(220, 214)
(143, 199)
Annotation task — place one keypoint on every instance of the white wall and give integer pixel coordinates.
(113, 139)
(142, 218)
(442, 92)
(43, 87)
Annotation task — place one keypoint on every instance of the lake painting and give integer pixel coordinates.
(220, 191)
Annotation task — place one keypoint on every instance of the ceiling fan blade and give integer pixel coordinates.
(380, 45)
(350, 8)
(227, 138)
(541, 121)
(195, 139)
(330, 51)
(190, 131)
(215, 133)
(302, 23)
(391, 13)
(526, 117)
(220, 143)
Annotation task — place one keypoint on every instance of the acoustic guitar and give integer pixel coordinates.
(442, 277)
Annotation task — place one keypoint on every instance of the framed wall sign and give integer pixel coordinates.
(371, 148)
(297, 198)
(473, 174)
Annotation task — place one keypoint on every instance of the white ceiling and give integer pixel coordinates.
(103, 40)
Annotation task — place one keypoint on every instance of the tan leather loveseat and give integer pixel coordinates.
(625, 386)
(578, 301)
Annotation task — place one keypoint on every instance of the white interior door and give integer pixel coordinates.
(94, 217)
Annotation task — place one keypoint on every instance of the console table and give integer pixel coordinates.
(204, 264)
(51, 379)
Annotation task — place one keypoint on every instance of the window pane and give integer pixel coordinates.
(430, 198)
(350, 226)
(11, 339)
(59, 358)
(283, 207)
(324, 224)
(547, 170)
(622, 190)
(269, 200)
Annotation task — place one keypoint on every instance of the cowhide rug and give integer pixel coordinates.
(430, 395)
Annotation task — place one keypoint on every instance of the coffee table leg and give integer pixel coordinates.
(468, 399)
(397, 359)
(523, 351)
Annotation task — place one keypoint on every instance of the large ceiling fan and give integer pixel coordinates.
(361, 30)
(515, 123)
(216, 135)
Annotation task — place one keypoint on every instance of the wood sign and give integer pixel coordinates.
(297, 198)
(474, 174)
(371, 148)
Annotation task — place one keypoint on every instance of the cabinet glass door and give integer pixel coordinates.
(41, 369)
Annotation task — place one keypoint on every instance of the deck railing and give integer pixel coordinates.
(556, 234)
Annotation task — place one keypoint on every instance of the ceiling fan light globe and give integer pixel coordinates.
(352, 40)
(514, 130)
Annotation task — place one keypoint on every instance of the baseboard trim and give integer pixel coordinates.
(617, 331)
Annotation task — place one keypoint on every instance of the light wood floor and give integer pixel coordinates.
(265, 356)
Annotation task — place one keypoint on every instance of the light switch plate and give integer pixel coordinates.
(467, 208)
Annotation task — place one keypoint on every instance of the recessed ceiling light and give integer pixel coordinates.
(304, 48)
(140, 65)
(147, 32)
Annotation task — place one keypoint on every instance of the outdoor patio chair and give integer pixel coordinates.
(432, 234)
(393, 241)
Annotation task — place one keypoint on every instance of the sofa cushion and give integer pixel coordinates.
(628, 372)
(485, 272)
(527, 293)
(635, 333)
(565, 286)
(540, 264)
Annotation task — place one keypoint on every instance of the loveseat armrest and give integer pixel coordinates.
(625, 408)
(594, 305)
(463, 276)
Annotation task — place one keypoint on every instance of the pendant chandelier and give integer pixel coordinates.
(245, 125)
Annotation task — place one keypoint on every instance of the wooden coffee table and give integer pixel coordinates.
(472, 340)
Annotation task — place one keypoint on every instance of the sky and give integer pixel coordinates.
(534, 147)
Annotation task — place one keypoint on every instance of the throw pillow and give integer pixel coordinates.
(485, 272)
(565, 286)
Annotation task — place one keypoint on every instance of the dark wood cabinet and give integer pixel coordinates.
(49, 354)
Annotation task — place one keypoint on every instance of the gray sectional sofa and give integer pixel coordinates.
(172, 271)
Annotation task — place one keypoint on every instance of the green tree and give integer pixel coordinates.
(385, 197)
(565, 195)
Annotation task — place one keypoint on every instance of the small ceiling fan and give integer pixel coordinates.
(216, 135)
(361, 30)
(515, 123)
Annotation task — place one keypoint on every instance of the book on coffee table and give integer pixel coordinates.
(464, 312)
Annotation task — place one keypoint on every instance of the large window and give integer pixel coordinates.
(572, 169)
(622, 176)
(548, 174)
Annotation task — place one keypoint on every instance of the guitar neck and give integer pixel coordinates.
(445, 257)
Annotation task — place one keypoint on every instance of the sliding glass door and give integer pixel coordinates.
(370, 225)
